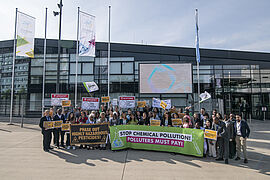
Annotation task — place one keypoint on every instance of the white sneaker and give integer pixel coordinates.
(73, 147)
(68, 147)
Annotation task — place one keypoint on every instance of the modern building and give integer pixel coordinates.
(238, 81)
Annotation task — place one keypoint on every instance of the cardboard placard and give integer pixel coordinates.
(181, 115)
(141, 104)
(210, 134)
(57, 124)
(66, 103)
(48, 124)
(177, 122)
(154, 122)
(65, 127)
(105, 99)
(163, 104)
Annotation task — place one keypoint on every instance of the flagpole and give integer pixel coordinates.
(109, 51)
(44, 63)
(13, 69)
(198, 58)
(77, 52)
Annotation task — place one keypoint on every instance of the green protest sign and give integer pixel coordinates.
(170, 139)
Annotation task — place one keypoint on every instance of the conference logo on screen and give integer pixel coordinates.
(165, 78)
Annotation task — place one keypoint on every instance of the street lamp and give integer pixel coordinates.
(59, 45)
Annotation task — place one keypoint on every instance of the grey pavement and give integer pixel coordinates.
(22, 157)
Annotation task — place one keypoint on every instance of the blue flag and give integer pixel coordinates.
(197, 37)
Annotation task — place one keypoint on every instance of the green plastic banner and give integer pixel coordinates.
(157, 138)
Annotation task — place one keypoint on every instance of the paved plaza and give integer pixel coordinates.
(22, 157)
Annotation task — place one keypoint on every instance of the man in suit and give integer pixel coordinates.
(47, 133)
(58, 117)
(242, 131)
(222, 140)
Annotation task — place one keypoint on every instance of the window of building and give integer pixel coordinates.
(115, 68)
(127, 68)
(73, 68)
(87, 68)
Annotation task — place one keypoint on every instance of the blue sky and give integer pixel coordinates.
(227, 24)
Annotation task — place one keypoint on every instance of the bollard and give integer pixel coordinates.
(263, 115)
(249, 118)
(22, 115)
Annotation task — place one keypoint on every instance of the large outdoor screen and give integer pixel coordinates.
(165, 78)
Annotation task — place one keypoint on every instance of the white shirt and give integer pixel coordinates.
(238, 132)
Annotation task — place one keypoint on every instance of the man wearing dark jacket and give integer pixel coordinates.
(242, 131)
(58, 117)
(47, 133)
(222, 140)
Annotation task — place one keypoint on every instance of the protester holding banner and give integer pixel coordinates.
(91, 119)
(166, 120)
(133, 120)
(47, 133)
(123, 119)
(83, 118)
(71, 120)
(114, 120)
(222, 140)
(57, 131)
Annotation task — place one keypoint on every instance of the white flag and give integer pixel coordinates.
(25, 35)
(204, 96)
(87, 45)
(90, 86)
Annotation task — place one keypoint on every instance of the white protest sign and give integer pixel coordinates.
(156, 103)
(56, 99)
(90, 103)
(127, 102)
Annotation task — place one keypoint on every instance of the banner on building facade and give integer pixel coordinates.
(90, 103)
(89, 133)
(87, 37)
(56, 99)
(127, 102)
(170, 139)
(25, 35)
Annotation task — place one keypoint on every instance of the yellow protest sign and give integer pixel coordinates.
(105, 99)
(177, 122)
(141, 104)
(155, 122)
(163, 104)
(181, 115)
(65, 127)
(210, 134)
(48, 124)
(57, 124)
(66, 103)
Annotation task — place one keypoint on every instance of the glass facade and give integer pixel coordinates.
(237, 82)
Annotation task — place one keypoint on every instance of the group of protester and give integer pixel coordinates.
(232, 131)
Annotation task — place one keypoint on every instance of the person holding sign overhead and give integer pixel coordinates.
(47, 133)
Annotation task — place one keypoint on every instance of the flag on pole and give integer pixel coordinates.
(197, 38)
(87, 45)
(91, 86)
(25, 35)
(204, 96)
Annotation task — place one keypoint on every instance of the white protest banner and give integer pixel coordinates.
(56, 99)
(156, 103)
(91, 86)
(25, 35)
(90, 103)
(114, 102)
(127, 102)
(87, 45)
